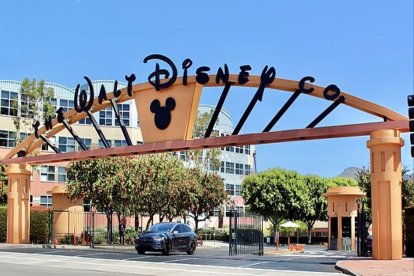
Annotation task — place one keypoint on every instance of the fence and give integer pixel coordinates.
(245, 234)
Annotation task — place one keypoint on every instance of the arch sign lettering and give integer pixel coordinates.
(167, 108)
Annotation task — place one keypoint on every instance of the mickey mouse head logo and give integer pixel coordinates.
(162, 116)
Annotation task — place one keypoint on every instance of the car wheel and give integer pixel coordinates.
(192, 248)
(167, 248)
(141, 252)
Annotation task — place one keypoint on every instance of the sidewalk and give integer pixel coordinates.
(368, 267)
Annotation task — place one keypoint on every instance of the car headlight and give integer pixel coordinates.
(158, 238)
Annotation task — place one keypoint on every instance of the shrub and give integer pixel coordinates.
(3, 223)
(221, 234)
(130, 235)
(39, 225)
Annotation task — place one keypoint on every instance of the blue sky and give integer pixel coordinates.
(364, 47)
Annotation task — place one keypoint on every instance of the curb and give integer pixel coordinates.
(345, 270)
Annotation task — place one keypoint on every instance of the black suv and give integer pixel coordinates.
(166, 237)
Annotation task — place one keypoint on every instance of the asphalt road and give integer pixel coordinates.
(206, 261)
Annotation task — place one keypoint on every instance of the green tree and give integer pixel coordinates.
(3, 185)
(363, 179)
(35, 105)
(205, 191)
(161, 180)
(317, 203)
(207, 159)
(106, 182)
(276, 194)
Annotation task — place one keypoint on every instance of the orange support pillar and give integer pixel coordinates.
(18, 205)
(386, 180)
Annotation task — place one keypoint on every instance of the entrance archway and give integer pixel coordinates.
(167, 117)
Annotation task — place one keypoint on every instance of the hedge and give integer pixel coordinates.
(3, 223)
(39, 225)
(409, 232)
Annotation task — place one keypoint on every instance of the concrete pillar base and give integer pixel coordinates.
(386, 181)
(18, 203)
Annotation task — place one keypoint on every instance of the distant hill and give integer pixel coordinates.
(350, 172)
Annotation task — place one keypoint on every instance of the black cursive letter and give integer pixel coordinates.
(302, 88)
(186, 64)
(244, 75)
(161, 72)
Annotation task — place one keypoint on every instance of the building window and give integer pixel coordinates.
(101, 144)
(66, 104)
(62, 174)
(46, 201)
(238, 190)
(238, 149)
(87, 206)
(240, 210)
(105, 117)
(239, 169)
(222, 167)
(23, 135)
(66, 144)
(247, 149)
(183, 156)
(25, 102)
(87, 142)
(47, 173)
(247, 170)
(85, 121)
(8, 103)
(45, 146)
(120, 143)
(31, 200)
(53, 102)
(124, 112)
(229, 167)
(7, 138)
(230, 189)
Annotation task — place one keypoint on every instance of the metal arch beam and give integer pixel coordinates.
(30, 143)
(217, 142)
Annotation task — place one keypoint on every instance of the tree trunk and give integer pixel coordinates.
(149, 221)
(309, 234)
(276, 237)
(136, 221)
(221, 218)
(119, 223)
(109, 226)
(196, 223)
(162, 218)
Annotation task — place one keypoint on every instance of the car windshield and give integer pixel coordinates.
(162, 227)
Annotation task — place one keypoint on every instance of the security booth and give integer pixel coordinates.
(68, 215)
(342, 213)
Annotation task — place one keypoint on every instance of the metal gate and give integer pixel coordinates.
(245, 234)
(364, 242)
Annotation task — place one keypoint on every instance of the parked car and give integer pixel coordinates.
(166, 237)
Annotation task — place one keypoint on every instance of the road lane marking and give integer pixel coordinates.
(136, 258)
(253, 264)
(179, 260)
(53, 251)
(91, 254)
